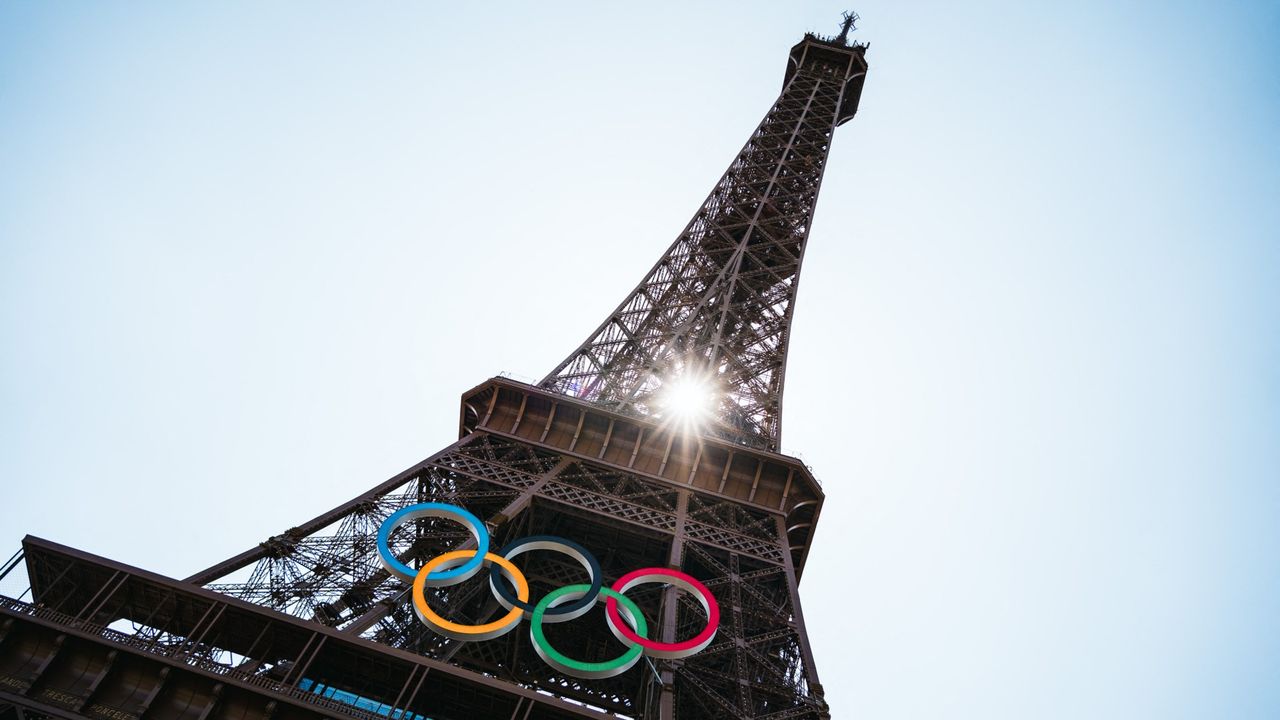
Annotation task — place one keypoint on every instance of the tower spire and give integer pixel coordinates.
(850, 17)
(712, 318)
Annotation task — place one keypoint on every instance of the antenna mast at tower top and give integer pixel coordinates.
(850, 18)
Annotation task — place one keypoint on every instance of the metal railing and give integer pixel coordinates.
(178, 652)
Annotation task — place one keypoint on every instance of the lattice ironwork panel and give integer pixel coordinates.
(333, 575)
(476, 468)
(510, 454)
(755, 667)
(610, 506)
(621, 485)
(761, 549)
(733, 516)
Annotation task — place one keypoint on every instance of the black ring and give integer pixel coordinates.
(561, 613)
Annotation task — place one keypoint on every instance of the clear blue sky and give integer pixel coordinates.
(251, 254)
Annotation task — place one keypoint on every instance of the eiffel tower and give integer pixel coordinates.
(654, 444)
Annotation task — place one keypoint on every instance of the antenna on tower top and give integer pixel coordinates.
(850, 18)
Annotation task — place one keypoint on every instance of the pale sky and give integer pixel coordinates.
(251, 255)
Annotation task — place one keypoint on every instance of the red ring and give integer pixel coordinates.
(653, 648)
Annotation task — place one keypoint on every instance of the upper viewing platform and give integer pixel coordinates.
(834, 54)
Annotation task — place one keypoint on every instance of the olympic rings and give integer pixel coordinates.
(624, 617)
(670, 651)
(421, 510)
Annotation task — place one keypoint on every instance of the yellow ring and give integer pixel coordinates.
(488, 631)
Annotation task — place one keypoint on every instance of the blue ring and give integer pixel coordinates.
(452, 512)
(560, 613)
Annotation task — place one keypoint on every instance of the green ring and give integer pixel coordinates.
(579, 668)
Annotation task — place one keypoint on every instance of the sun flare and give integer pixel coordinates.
(688, 401)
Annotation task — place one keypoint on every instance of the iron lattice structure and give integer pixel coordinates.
(308, 624)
